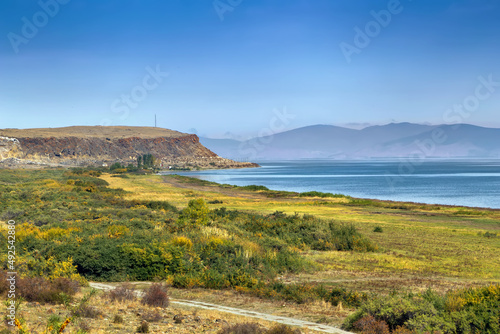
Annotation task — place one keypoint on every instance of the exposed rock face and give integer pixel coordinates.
(85, 145)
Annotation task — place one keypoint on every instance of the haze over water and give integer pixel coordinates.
(464, 183)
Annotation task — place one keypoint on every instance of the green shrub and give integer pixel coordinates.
(314, 233)
(254, 187)
(118, 319)
(115, 166)
(143, 327)
(461, 311)
(186, 281)
(196, 213)
(346, 297)
(123, 176)
(216, 201)
(378, 229)
(320, 194)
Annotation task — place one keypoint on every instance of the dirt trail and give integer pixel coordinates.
(245, 313)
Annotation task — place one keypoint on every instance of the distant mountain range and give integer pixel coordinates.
(385, 141)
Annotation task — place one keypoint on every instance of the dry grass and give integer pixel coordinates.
(132, 313)
(93, 131)
(434, 244)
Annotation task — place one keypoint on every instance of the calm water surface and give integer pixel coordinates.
(468, 183)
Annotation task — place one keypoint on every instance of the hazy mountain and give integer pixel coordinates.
(391, 140)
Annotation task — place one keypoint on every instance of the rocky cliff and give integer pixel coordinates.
(104, 145)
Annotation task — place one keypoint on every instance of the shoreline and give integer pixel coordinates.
(375, 200)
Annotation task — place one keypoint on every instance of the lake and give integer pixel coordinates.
(453, 182)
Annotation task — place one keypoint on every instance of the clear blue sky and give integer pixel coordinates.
(89, 63)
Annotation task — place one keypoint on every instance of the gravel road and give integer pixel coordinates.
(246, 313)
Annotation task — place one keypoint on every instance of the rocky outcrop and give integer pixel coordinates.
(65, 147)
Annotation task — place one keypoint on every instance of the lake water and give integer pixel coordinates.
(465, 182)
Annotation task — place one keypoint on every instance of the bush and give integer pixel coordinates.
(370, 325)
(283, 329)
(186, 281)
(346, 297)
(254, 187)
(66, 285)
(196, 213)
(118, 319)
(396, 311)
(143, 327)
(215, 201)
(378, 229)
(243, 328)
(87, 311)
(123, 176)
(11, 214)
(115, 166)
(120, 170)
(320, 194)
(151, 316)
(471, 310)
(156, 295)
(158, 205)
(38, 289)
(346, 237)
(124, 292)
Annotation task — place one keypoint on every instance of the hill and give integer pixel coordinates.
(386, 141)
(102, 145)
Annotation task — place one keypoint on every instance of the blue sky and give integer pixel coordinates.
(228, 66)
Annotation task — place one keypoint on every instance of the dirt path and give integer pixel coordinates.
(245, 313)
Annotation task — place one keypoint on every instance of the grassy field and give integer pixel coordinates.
(419, 246)
(314, 256)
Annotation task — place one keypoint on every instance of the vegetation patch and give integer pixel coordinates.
(77, 225)
(460, 311)
(322, 195)
(90, 231)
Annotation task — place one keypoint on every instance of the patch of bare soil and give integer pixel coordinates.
(251, 311)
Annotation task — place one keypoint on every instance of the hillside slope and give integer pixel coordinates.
(96, 145)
